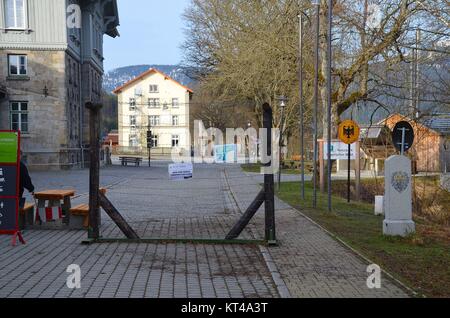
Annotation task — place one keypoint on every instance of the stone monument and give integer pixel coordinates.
(398, 197)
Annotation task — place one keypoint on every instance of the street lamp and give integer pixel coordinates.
(247, 140)
(283, 101)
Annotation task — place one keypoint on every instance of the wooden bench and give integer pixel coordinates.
(79, 215)
(26, 215)
(134, 160)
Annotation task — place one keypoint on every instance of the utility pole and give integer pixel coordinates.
(316, 102)
(329, 89)
(302, 130)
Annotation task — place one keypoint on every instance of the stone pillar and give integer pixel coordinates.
(398, 197)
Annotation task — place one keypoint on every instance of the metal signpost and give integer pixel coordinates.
(403, 136)
(349, 134)
(9, 184)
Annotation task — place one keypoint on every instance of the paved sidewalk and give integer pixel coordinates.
(308, 262)
(158, 208)
(311, 263)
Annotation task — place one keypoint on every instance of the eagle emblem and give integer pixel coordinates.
(400, 181)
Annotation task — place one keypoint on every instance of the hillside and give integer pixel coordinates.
(119, 76)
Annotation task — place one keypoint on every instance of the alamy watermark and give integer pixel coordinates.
(74, 279)
(236, 145)
(74, 16)
(374, 279)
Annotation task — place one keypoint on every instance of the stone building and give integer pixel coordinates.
(51, 64)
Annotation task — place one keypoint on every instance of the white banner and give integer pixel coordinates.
(181, 171)
(339, 151)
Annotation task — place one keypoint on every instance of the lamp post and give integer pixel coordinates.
(283, 100)
(247, 137)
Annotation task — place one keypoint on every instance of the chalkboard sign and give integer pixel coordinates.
(9, 183)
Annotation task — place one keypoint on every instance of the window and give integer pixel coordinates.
(134, 141)
(175, 121)
(153, 89)
(175, 103)
(132, 103)
(138, 91)
(175, 140)
(17, 65)
(19, 116)
(15, 11)
(155, 141)
(153, 120)
(154, 102)
(132, 120)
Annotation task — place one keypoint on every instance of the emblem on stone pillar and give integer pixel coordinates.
(400, 181)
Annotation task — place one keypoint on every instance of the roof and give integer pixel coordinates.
(439, 123)
(111, 18)
(372, 132)
(111, 138)
(144, 75)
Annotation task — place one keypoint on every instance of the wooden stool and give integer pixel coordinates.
(26, 215)
(79, 215)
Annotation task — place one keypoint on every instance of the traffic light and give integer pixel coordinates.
(149, 139)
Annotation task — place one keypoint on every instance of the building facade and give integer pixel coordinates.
(153, 102)
(51, 64)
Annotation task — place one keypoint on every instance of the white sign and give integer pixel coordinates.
(181, 171)
(339, 151)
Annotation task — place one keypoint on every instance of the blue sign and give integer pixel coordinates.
(226, 153)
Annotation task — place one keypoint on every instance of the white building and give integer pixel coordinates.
(153, 101)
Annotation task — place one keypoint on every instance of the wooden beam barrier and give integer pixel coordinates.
(248, 215)
(94, 170)
(117, 217)
(266, 196)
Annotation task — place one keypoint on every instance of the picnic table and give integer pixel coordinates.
(125, 160)
(56, 198)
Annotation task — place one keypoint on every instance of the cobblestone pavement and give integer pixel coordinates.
(311, 263)
(157, 208)
(308, 262)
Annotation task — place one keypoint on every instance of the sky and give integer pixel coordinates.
(151, 32)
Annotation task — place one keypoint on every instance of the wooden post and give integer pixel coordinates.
(358, 170)
(266, 196)
(269, 179)
(322, 166)
(94, 170)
